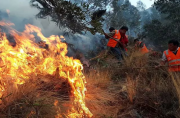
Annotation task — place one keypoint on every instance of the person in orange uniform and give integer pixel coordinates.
(114, 40)
(141, 46)
(124, 39)
(172, 56)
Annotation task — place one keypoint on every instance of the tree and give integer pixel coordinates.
(75, 17)
(141, 6)
(155, 14)
(170, 8)
(144, 14)
(132, 17)
(166, 25)
(124, 14)
(99, 4)
(115, 18)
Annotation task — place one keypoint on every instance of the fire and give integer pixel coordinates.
(2, 23)
(27, 59)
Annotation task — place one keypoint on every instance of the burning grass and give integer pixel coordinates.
(38, 82)
(36, 99)
(28, 61)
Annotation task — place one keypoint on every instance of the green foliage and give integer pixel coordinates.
(99, 3)
(166, 25)
(80, 16)
(170, 8)
(156, 33)
(141, 6)
(73, 16)
(124, 14)
(116, 20)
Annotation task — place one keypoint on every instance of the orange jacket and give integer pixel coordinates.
(112, 42)
(144, 49)
(173, 60)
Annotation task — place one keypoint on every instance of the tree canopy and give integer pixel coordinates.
(92, 15)
(68, 14)
(165, 25)
(158, 23)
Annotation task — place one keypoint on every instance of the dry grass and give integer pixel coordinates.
(113, 91)
(176, 81)
(135, 85)
(131, 88)
(99, 99)
(33, 100)
(154, 93)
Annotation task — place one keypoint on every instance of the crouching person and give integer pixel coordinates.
(140, 46)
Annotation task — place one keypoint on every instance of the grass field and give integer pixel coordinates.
(134, 89)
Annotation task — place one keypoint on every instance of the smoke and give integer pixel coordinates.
(21, 13)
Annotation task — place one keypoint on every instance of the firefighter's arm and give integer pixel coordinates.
(161, 64)
(163, 61)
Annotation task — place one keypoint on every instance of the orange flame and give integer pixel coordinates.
(5, 23)
(20, 63)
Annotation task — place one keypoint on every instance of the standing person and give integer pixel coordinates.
(139, 45)
(124, 39)
(114, 37)
(172, 56)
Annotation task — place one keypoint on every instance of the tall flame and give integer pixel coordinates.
(27, 59)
